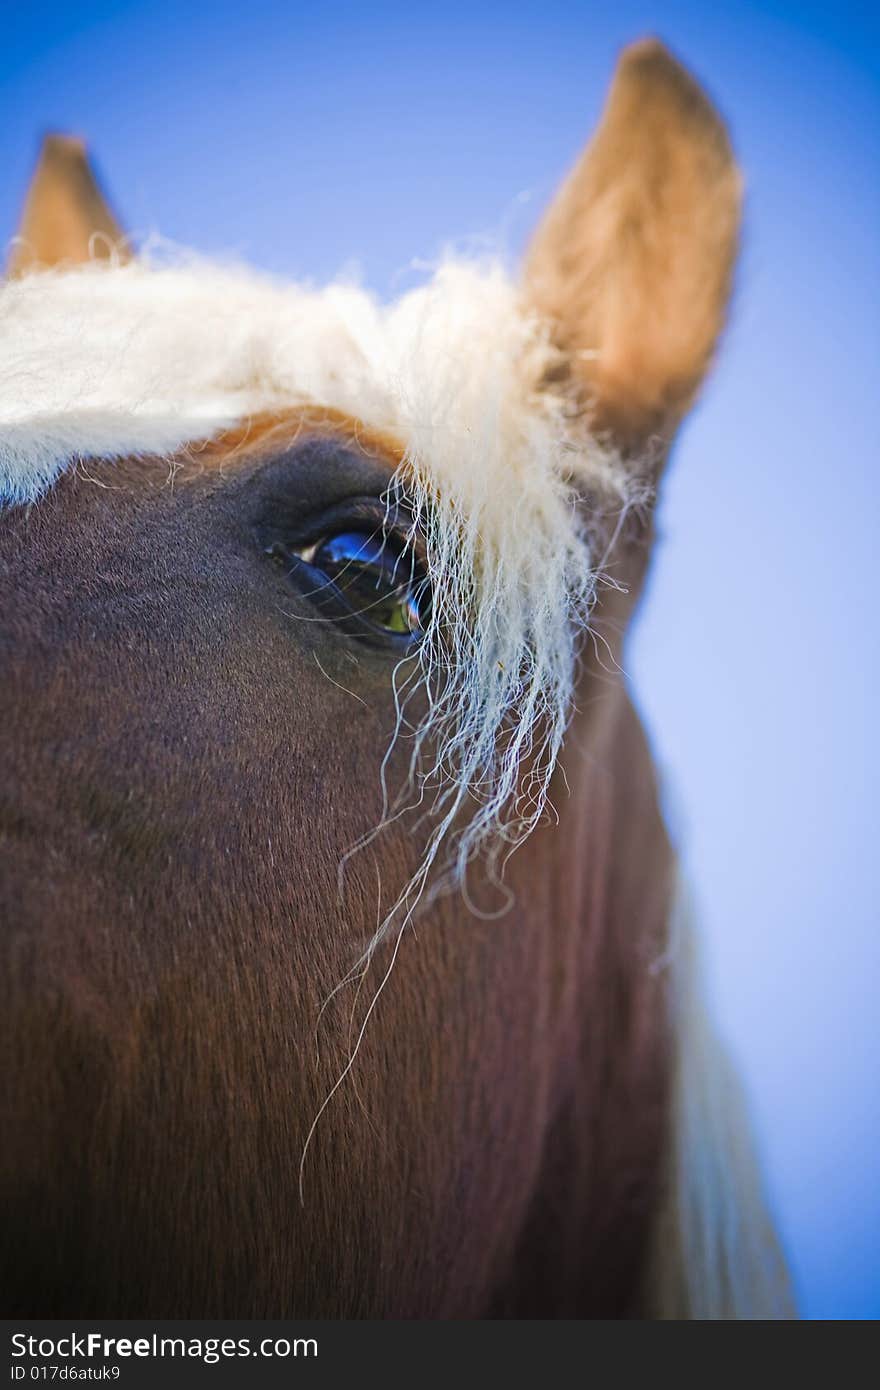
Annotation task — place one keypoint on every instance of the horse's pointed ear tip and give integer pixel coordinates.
(650, 63)
(650, 77)
(650, 58)
(646, 50)
(61, 147)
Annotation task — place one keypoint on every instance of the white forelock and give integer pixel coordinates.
(103, 361)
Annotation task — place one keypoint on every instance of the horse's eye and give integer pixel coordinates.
(376, 578)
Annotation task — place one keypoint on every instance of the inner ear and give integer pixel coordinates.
(66, 219)
(633, 262)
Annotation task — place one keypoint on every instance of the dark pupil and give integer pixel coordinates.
(377, 581)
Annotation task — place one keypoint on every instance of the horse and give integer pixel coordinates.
(348, 969)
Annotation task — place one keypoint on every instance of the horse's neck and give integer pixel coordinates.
(584, 1247)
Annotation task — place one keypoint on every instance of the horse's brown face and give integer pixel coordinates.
(190, 743)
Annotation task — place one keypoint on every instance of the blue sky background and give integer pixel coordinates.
(311, 138)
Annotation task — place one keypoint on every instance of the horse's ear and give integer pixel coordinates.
(634, 259)
(66, 218)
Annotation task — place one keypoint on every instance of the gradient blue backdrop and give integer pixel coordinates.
(312, 137)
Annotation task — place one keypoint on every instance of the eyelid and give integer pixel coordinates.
(392, 521)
